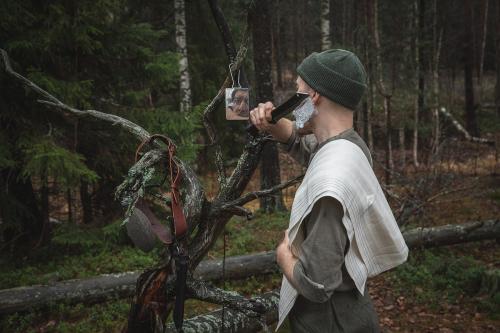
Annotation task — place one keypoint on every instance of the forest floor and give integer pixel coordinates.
(437, 290)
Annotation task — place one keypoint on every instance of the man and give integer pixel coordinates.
(341, 230)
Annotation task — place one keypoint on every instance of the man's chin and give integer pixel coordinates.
(307, 129)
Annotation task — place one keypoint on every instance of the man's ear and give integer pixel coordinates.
(315, 98)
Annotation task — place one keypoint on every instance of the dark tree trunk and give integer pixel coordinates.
(276, 44)
(497, 60)
(86, 201)
(470, 108)
(227, 38)
(421, 59)
(262, 31)
(483, 28)
(22, 191)
(284, 45)
(45, 211)
(70, 205)
(296, 33)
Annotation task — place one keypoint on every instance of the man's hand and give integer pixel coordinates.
(285, 258)
(261, 116)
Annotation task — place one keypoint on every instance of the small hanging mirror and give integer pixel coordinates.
(237, 104)
(237, 99)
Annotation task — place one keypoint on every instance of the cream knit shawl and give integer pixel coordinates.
(341, 170)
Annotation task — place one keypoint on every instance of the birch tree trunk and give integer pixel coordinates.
(325, 25)
(180, 38)
(386, 94)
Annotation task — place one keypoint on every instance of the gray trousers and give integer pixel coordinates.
(345, 311)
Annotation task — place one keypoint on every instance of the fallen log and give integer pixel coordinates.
(462, 130)
(122, 285)
(109, 286)
(451, 234)
(234, 321)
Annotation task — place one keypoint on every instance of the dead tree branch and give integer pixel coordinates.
(462, 130)
(258, 194)
(208, 112)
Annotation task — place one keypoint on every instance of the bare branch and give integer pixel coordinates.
(131, 127)
(240, 211)
(262, 193)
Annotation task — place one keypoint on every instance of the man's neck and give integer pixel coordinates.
(330, 124)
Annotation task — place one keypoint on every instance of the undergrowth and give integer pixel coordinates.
(75, 252)
(430, 276)
(433, 276)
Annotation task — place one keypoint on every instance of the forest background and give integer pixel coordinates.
(431, 117)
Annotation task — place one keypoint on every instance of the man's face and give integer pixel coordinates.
(240, 103)
(302, 86)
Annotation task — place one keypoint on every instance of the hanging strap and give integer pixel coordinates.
(179, 252)
(180, 224)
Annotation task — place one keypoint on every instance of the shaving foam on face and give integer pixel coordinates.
(303, 112)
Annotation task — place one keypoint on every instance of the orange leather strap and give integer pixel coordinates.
(180, 224)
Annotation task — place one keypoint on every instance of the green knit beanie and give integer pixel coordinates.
(336, 74)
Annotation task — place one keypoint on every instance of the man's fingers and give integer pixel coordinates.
(252, 116)
(255, 117)
(268, 110)
(261, 115)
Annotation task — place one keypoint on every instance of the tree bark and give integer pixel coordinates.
(180, 38)
(260, 17)
(325, 25)
(234, 320)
